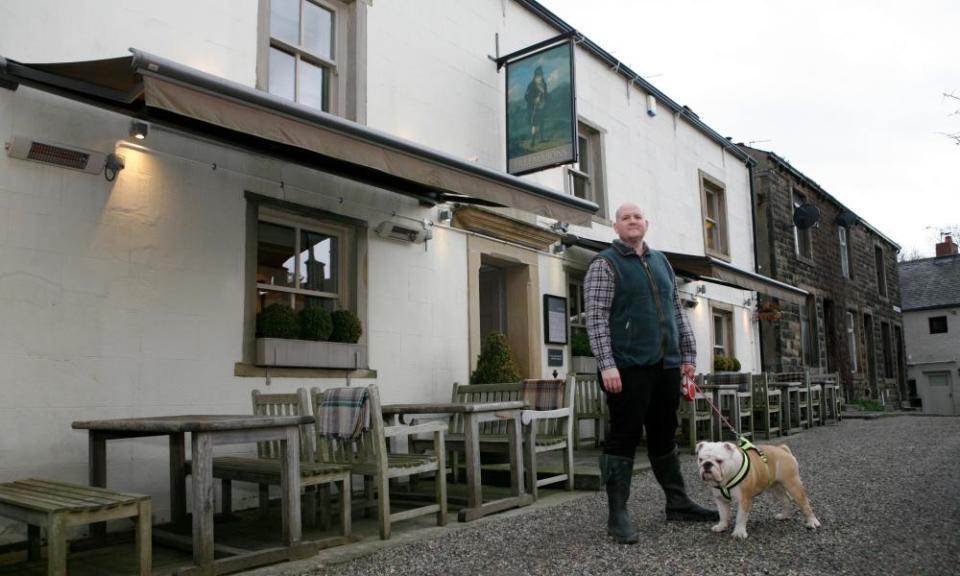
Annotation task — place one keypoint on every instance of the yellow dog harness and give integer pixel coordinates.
(744, 446)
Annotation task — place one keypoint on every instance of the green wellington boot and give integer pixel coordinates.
(666, 468)
(616, 472)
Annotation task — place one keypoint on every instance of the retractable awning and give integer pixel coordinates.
(171, 94)
(712, 269)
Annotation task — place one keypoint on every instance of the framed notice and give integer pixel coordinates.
(554, 319)
(541, 110)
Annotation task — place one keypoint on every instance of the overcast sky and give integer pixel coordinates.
(850, 92)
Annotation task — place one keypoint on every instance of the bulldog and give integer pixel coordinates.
(742, 472)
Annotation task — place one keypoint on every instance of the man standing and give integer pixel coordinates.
(643, 344)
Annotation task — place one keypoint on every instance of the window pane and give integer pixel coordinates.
(713, 240)
(580, 186)
(285, 20)
(583, 161)
(313, 86)
(275, 254)
(268, 297)
(318, 261)
(281, 74)
(301, 302)
(318, 30)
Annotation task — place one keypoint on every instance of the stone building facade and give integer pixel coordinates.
(851, 322)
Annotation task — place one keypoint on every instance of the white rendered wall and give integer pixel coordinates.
(216, 36)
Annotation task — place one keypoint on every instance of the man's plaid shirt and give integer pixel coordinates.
(598, 288)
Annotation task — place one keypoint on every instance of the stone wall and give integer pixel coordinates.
(834, 295)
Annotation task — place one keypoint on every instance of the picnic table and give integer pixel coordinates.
(474, 414)
(206, 432)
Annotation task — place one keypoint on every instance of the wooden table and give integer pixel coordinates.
(717, 391)
(788, 390)
(474, 414)
(206, 432)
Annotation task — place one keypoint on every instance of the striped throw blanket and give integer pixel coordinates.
(344, 413)
(543, 394)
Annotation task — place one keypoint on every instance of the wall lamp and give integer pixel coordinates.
(445, 215)
(139, 129)
(702, 289)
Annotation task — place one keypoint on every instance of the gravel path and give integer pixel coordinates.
(885, 491)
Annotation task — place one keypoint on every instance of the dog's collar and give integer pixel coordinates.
(743, 445)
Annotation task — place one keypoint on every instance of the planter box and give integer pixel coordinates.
(583, 364)
(310, 354)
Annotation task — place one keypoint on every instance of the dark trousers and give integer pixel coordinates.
(649, 400)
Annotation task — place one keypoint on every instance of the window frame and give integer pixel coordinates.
(345, 237)
(844, 239)
(809, 333)
(336, 66)
(729, 347)
(850, 325)
(805, 234)
(594, 177)
(707, 183)
(879, 257)
(930, 326)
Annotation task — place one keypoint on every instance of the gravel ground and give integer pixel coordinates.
(885, 491)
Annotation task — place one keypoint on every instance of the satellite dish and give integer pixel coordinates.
(805, 216)
(847, 219)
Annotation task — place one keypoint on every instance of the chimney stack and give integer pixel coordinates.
(946, 248)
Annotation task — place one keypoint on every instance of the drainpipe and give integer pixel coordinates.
(756, 256)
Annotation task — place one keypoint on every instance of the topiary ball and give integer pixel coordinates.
(278, 321)
(346, 327)
(315, 324)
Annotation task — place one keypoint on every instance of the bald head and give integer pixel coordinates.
(630, 224)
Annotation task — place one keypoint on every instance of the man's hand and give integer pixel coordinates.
(688, 370)
(611, 380)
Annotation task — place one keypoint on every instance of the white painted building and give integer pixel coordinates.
(930, 294)
(138, 296)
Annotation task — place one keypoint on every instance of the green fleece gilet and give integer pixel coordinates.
(643, 329)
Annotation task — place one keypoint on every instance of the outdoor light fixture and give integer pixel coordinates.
(139, 129)
(702, 289)
(559, 248)
(112, 166)
(445, 215)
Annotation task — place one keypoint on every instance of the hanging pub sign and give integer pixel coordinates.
(541, 109)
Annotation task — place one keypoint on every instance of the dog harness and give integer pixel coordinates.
(743, 445)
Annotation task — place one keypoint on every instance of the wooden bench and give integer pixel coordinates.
(591, 405)
(57, 506)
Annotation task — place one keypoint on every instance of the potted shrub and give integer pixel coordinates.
(582, 360)
(495, 364)
(314, 338)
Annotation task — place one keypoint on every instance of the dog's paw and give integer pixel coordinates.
(740, 533)
(719, 527)
(783, 516)
(813, 523)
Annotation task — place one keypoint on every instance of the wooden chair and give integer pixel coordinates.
(264, 469)
(800, 403)
(832, 400)
(554, 429)
(767, 407)
(367, 455)
(590, 404)
(548, 427)
(494, 437)
(696, 420)
(736, 405)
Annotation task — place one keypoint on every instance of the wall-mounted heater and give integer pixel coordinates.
(24, 148)
(403, 232)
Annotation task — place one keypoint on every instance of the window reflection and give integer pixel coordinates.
(275, 254)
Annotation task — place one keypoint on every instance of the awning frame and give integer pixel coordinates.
(123, 85)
